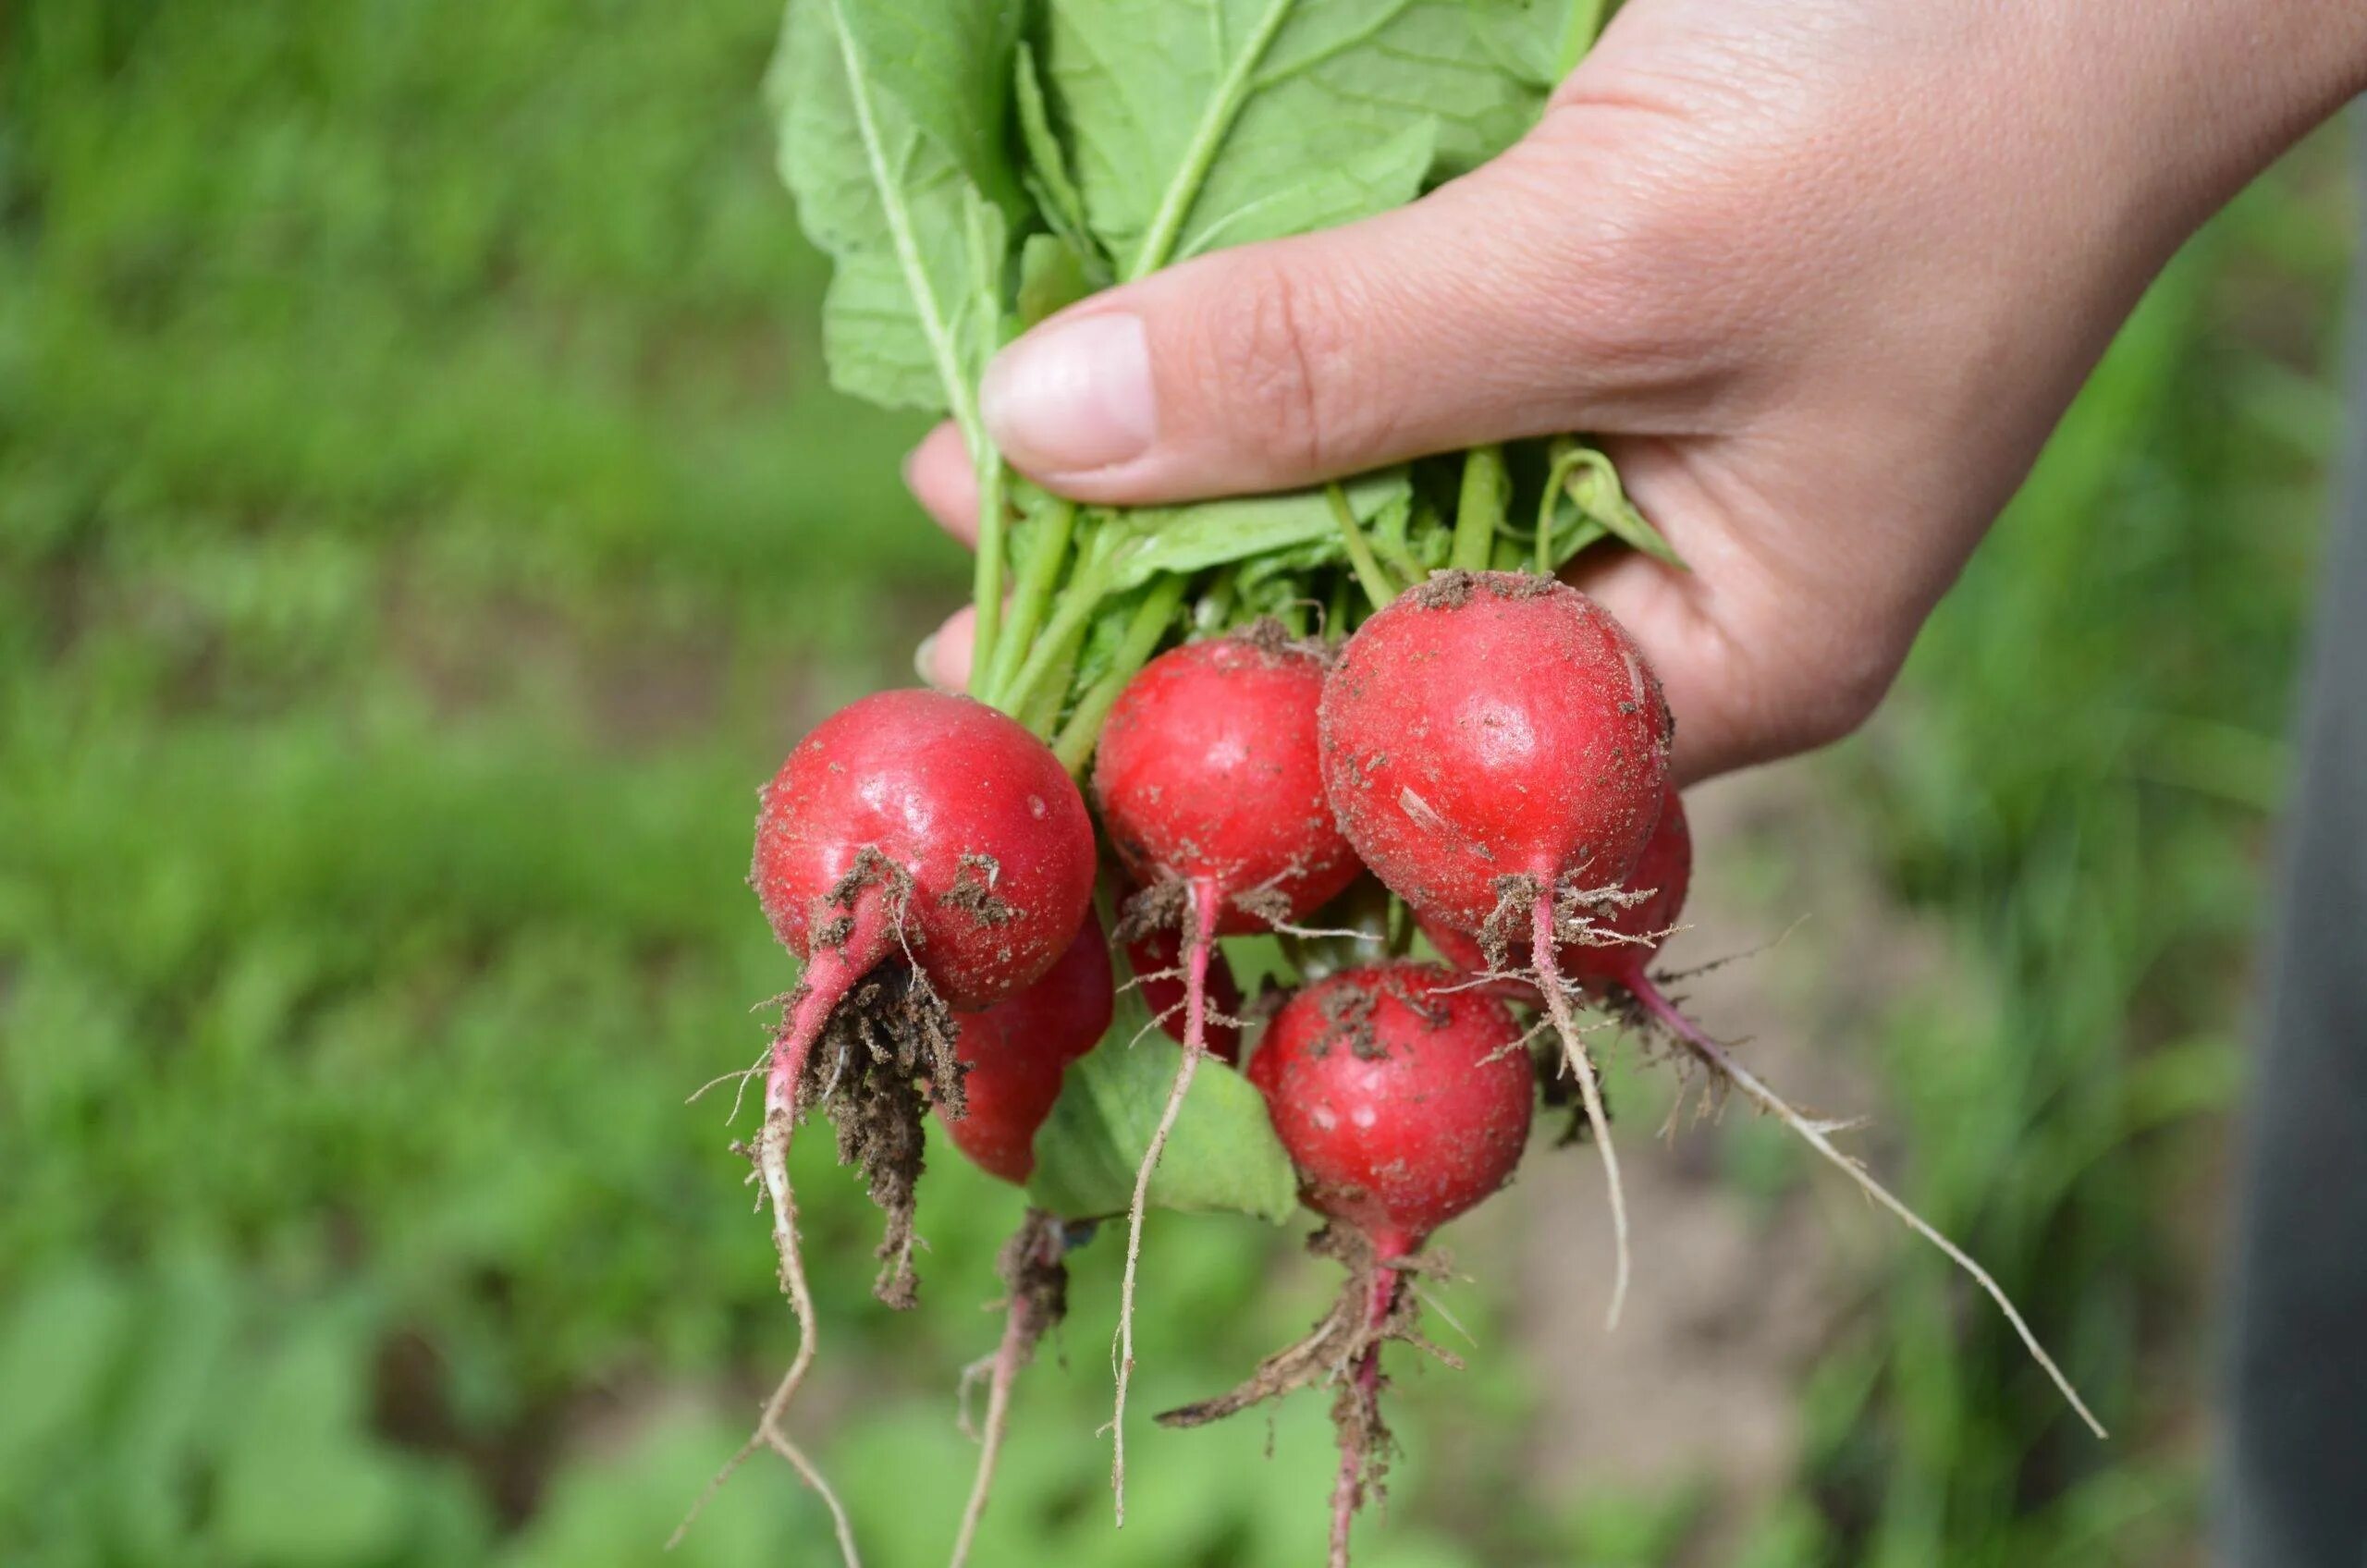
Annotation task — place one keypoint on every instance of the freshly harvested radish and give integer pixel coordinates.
(1404, 1102)
(1211, 787)
(1497, 749)
(917, 850)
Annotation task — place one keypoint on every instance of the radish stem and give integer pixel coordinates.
(1077, 601)
(1480, 507)
(1152, 617)
(1375, 581)
(1038, 576)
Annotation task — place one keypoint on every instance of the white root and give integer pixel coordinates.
(1549, 981)
(1721, 1063)
(772, 1164)
(1200, 931)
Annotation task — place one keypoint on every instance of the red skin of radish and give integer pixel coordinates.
(1208, 772)
(1019, 1049)
(931, 782)
(1489, 725)
(1665, 872)
(1160, 954)
(1402, 1134)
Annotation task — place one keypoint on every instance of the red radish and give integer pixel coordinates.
(925, 823)
(1157, 958)
(1404, 1102)
(1018, 1050)
(926, 826)
(1487, 725)
(1210, 783)
(1497, 748)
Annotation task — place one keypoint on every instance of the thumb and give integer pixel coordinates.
(1481, 312)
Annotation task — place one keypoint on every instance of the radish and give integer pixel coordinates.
(1404, 1102)
(1497, 749)
(932, 827)
(1210, 784)
(928, 849)
(1157, 959)
(1016, 1053)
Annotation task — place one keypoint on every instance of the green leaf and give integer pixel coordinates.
(1221, 1155)
(1148, 540)
(1199, 123)
(948, 65)
(1052, 276)
(889, 141)
(1048, 175)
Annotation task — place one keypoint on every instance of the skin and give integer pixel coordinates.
(1823, 274)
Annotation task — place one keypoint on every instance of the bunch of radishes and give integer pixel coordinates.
(1358, 719)
(1491, 746)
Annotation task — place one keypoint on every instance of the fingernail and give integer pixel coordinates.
(925, 660)
(1072, 396)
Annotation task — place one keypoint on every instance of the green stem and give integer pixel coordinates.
(1042, 714)
(1567, 456)
(1479, 510)
(1078, 601)
(1152, 617)
(1037, 578)
(1215, 609)
(1377, 585)
(1403, 567)
(986, 579)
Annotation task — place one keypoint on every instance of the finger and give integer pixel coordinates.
(1513, 301)
(943, 657)
(937, 473)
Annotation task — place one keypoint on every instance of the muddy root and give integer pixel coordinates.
(1548, 975)
(886, 1051)
(1376, 1304)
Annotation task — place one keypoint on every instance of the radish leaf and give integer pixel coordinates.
(1199, 123)
(890, 124)
(1148, 540)
(1221, 1155)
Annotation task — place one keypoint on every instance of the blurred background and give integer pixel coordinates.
(423, 523)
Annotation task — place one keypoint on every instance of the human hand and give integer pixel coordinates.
(1821, 275)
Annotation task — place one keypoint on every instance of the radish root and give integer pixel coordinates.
(1721, 1063)
(1200, 935)
(1543, 957)
(772, 1167)
(1033, 1271)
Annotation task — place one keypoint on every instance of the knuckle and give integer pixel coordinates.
(1273, 348)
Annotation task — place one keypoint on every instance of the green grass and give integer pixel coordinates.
(423, 520)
